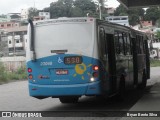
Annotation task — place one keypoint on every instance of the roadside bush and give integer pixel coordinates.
(155, 63)
(3, 76)
(6, 76)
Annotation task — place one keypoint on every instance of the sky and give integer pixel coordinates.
(15, 6)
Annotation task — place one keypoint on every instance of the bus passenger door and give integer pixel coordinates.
(111, 63)
(129, 60)
(103, 53)
(122, 59)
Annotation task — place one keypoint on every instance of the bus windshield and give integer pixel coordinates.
(75, 38)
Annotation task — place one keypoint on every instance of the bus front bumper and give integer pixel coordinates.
(64, 90)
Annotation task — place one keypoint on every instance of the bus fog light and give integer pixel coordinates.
(92, 79)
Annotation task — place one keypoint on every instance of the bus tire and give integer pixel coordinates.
(121, 91)
(142, 86)
(69, 99)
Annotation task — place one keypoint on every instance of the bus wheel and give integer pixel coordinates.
(69, 99)
(121, 91)
(144, 81)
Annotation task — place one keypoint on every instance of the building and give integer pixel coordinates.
(3, 44)
(14, 17)
(145, 24)
(110, 11)
(5, 25)
(4, 18)
(122, 20)
(24, 14)
(46, 15)
(42, 16)
(17, 38)
(38, 18)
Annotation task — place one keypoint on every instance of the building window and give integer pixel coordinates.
(8, 25)
(10, 42)
(17, 41)
(18, 49)
(2, 25)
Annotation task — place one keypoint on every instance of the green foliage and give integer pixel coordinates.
(157, 35)
(72, 8)
(32, 13)
(121, 10)
(3, 46)
(155, 63)
(2, 73)
(158, 23)
(61, 8)
(5, 76)
(135, 15)
(152, 13)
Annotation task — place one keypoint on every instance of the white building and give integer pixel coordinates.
(17, 40)
(46, 15)
(122, 20)
(24, 14)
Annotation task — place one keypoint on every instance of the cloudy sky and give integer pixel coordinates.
(10, 6)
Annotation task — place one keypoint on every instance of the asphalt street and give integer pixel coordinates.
(14, 97)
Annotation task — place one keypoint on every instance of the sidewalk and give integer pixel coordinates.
(150, 102)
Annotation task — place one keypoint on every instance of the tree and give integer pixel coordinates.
(72, 8)
(157, 35)
(46, 9)
(102, 8)
(61, 8)
(135, 15)
(158, 23)
(2, 48)
(86, 6)
(32, 13)
(77, 12)
(121, 11)
(152, 13)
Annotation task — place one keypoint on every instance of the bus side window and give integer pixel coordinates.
(141, 45)
(121, 43)
(102, 41)
(127, 44)
(117, 45)
(131, 46)
(138, 44)
(144, 49)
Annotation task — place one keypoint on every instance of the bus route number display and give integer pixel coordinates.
(73, 60)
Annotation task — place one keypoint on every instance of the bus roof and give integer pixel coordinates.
(65, 20)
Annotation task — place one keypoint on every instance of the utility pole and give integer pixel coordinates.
(34, 3)
(100, 11)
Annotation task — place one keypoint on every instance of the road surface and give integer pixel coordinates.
(14, 96)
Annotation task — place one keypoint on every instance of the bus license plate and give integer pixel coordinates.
(61, 72)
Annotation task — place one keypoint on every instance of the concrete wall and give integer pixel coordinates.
(13, 63)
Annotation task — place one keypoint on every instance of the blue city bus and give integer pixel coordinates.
(72, 57)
